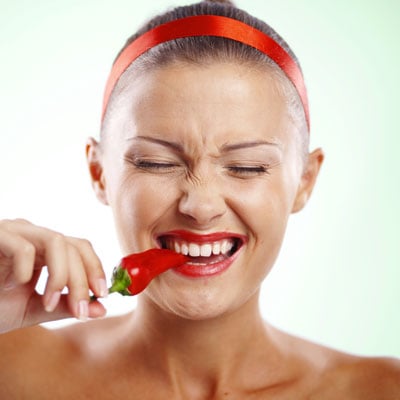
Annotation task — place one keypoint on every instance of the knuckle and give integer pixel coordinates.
(57, 279)
(56, 237)
(86, 243)
(23, 276)
(83, 245)
(10, 223)
(21, 221)
(55, 283)
(94, 264)
(88, 255)
(5, 223)
(27, 249)
(79, 288)
(74, 253)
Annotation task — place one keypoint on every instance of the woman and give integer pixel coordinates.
(203, 150)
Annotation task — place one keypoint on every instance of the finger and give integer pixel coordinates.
(36, 314)
(53, 250)
(56, 258)
(50, 249)
(21, 256)
(78, 287)
(94, 270)
(96, 309)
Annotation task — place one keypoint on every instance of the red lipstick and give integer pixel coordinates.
(203, 266)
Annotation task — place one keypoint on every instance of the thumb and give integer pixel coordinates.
(36, 314)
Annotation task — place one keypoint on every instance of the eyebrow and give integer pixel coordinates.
(244, 145)
(166, 143)
(226, 148)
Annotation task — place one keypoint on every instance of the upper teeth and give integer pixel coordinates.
(200, 250)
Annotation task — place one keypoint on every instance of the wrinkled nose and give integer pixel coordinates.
(203, 204)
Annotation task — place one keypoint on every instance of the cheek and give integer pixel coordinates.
(264, 205)
(138, 203)
(265, 209)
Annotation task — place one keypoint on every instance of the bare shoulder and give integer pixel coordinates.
(24, 354)
(329, 374)
(21, 344)
(362, 378)
(26, 343)
(36, 362)
(35, 347)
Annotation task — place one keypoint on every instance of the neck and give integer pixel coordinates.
(213, 350)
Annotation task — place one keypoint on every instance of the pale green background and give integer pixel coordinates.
(337, 280)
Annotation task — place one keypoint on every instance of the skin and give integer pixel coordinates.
(227, 160)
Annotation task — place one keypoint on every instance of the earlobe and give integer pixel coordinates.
(308, 179)
(93, 157)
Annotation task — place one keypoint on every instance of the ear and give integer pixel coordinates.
(308, 179)
(93, 157)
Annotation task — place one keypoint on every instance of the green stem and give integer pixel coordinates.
(119, 283)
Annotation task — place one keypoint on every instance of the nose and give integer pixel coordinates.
(202, 203)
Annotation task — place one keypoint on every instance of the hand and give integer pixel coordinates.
(24, 250)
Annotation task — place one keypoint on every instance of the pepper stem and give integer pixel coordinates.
(119, 283)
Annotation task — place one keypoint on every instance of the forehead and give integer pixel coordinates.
(210, 100)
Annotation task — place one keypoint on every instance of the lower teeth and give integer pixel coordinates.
(202, 261)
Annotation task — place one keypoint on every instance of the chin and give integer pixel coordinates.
(202, 304)
(191, 304)
(198, 312)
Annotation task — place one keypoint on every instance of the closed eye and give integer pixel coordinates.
(156, 166)
(244, 171)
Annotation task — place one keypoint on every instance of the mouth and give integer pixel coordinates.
(203, 250)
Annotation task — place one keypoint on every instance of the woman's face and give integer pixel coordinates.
(202, 159)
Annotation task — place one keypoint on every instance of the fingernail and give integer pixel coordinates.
(53, 301)
(102, 287)
(83, 310)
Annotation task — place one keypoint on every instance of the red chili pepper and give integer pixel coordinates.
(135, 271)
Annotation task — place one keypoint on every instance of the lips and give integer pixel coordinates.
(209, 254)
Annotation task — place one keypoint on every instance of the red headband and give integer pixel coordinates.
(208, 25)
